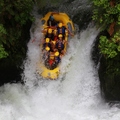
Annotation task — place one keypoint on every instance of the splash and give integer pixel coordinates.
(75, 95)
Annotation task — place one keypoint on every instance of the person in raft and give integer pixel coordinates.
(51, 21)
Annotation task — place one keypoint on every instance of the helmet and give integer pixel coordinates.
(49, 30)
(56, 53)
(55, 31)
(47, 48)
(60, 24)
(47, 40)
(60, 35)
(51, 17)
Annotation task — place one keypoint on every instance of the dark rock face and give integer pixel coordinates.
(9, 72)
(110, 86)
(10, 68)
(82, 19)
(95, 51)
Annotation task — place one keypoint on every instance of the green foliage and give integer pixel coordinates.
(110, 48)
(2, 30)
(105, 14)
(3, 53)
(14, 15)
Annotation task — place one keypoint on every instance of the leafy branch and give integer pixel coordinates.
(14, 15)
(110, 47)
(106, 13)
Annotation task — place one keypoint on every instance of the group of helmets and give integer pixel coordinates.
(47, 40)
(50, 29)
(56, 53)
(48, 48)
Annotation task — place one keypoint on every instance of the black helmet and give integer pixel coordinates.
(51, 17)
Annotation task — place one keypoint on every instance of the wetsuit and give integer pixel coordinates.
(51, 21)
(50, 35)
(46, 44)
(61, 30)
(60, 46)
(57, 60)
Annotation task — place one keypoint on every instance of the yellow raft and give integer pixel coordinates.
(60, 17)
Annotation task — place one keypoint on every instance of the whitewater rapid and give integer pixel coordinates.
(75, 95)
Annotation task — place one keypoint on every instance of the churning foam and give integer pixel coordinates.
(74, 96)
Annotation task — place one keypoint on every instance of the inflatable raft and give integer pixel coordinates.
(57, 30)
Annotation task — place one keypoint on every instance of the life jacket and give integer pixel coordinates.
(46, 44)
(60, 45)
(57, 59)
(61, 30)
(49, 35)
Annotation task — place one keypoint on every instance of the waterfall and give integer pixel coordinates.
(75, 95)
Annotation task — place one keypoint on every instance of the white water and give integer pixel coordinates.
(74, 96)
